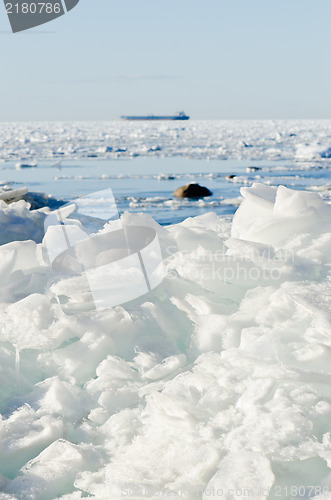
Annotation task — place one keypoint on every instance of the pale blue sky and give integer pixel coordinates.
(214, 59)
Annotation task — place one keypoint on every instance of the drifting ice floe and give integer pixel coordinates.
(216, 381)
(20, 165)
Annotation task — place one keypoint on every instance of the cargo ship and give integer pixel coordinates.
(178, 116)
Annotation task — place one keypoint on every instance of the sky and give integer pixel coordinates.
(214, 59)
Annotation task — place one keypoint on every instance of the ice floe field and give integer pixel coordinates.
(247, 139)
(216, 383)
(144, 163)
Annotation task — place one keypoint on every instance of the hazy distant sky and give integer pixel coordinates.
(214, 59)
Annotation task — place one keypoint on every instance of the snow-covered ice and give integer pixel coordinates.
(214, 385)
(251, 140)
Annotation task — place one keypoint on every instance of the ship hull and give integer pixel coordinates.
(153, 118)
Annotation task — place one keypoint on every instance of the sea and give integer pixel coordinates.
(212, 378)
(144, 163)
(148, 184)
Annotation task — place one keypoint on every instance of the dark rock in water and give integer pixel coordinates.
(230, 177)
(192, 191)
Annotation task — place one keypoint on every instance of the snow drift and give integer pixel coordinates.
(214, 385)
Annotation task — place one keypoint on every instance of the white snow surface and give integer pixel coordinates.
(302, 140)
(215, 385)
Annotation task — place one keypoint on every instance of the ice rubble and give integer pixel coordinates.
(218, 380)
(242, 140)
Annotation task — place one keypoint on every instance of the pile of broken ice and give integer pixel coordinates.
(217, 381)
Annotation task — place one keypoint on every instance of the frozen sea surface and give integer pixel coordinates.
(214, 385)
(145, 162)
(241, 140)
